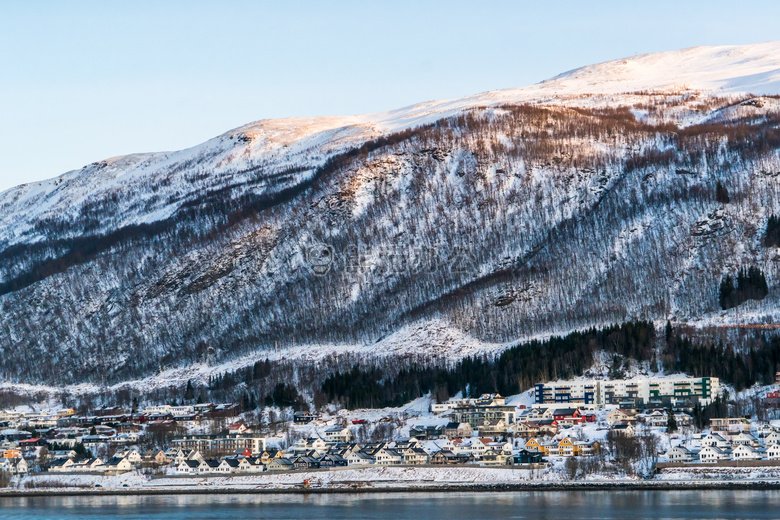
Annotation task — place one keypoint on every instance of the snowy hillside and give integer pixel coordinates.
(447, 227)
(150, 187)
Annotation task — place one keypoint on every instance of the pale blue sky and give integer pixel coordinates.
(83, 81)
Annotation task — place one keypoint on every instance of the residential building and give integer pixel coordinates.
(303, 417)
(336, 434)
(714, 454)
(359, 458)
(117, 465)
(623, 429)
(681, 454)
(639, 391)
(487, 408)
(773, 452)
(221, 444)
(444, 457)
(529, 457)
(715, 439)
(414, 455)
(331, 460)
(743, 438)
(457, 429)
(747, 452)
(618, 415)
(730, 424)
(389, 457)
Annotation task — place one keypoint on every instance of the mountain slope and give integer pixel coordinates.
(585, 199)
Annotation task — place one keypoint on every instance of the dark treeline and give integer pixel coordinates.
(722, 194)
(772, 233)
(751, 285)
(739, 369)
(514, 371)
(251, 378)
(702, 415)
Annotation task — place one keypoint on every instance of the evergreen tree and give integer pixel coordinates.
(751, 285)
(726, 292)
(671, 423)
(189, 393)
(722, 194)
(81, 450)
(93, 431)
(772, 233)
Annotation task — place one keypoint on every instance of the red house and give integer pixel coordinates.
(567, 416)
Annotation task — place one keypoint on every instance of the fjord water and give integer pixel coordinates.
(451, 506)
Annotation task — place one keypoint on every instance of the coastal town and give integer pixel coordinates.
(578, 429)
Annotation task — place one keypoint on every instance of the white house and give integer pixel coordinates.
(618, 415)
(177, 455)
(729, 424)
(414, 455)
(540, 413)
(118, 464)
(131, 455)
(715, 439)
(20, 467)
(195, 455)
(338, 434)
(500, 446)
(772, 438)
(624, 429)
(744, 438)
(714, 454)
(474, 446)
(680, 454)
(762, 430)
(188, 467)
(209, 466)
(254, 465)
(228, 466)
(747, 452)
(60, 465)
(14, 466)
(93, 464)
(304, 446)
(63, 454)
(388, 457)
(773, 452)
(358, 458)
(238, 428)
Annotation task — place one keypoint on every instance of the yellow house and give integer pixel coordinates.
(534, 445)
(565, 447)
(161, 458)
(586, 448)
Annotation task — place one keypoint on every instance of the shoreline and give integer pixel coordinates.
(687, 485)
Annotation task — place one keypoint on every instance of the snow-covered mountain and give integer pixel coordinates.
(443, 227)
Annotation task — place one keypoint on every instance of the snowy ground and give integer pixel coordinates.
(398, 477)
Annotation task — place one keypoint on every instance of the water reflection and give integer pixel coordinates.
(572, 505)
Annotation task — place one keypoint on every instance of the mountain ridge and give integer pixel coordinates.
(754, 68)
(507, 215)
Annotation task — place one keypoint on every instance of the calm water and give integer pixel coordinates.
(454, 506)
